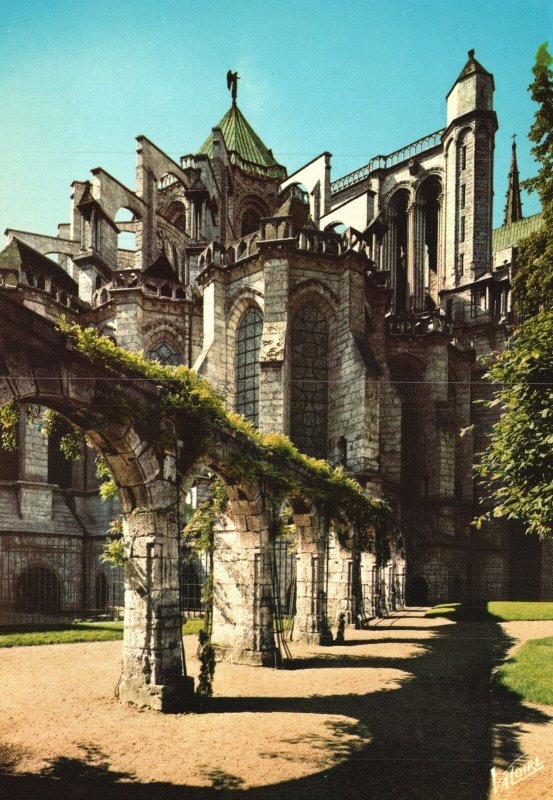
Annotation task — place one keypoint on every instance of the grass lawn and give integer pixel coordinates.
(529, 673)
(21, 635)
(493, 611)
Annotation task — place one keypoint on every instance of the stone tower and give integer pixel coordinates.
(468, 147)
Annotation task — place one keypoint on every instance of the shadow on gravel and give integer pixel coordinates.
(429, 739)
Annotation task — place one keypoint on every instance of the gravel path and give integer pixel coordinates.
(400, 711)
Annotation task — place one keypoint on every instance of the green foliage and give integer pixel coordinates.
(204, 689)
(72, 443)
(265, 457)
(31, 635)
(64, 633)
(9, 421)
(113, 551)
(533, 283)
(199, 530)
(529, 673)
(494, 611)
(517, 467)
(108, 487)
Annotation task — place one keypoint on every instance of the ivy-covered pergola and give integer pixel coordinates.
(155, 426)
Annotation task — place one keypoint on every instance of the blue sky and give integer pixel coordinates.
(80, 80)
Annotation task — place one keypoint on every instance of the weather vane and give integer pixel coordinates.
(232, 83)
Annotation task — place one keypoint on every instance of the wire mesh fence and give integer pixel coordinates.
(57, 579)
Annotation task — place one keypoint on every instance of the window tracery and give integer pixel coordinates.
(309, 402)
(165, 354)
(248, 344)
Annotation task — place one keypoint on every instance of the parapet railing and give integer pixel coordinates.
(385, 162)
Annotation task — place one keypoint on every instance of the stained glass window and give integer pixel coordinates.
(248, 343)
(165, 354)
(309, 406)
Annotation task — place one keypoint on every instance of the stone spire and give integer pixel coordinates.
(513, 206)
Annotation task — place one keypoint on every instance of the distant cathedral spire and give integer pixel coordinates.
(513, 206)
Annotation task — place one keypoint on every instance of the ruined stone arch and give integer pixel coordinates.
(142, 455)
(153, 460)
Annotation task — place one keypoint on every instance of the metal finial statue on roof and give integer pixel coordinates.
(232, 83)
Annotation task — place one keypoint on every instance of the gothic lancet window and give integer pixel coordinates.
(165, 354)
(248, 343)
(309, 407)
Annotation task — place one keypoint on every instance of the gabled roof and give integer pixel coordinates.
(510, 235)
(241, 139)
(161, 269)
(18, 256)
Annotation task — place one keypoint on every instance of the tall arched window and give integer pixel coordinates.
(407, 380)
(248, 343)
(165, 354)
(398, 236)
(309, 408)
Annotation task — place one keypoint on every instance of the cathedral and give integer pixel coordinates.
(348, 313)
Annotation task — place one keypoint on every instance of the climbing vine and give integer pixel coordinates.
(108, 487)
(113, 550)
(9, 420)
(206, 656)
(264, 457)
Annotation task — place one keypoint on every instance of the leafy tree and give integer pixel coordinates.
(533, 283)
(517, 467)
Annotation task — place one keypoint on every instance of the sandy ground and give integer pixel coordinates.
(400, 711)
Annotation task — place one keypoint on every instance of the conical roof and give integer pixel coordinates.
(472, 67)
(513, 205)
(241, 140)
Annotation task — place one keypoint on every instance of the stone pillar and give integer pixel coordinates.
(274, 378)
(415, 260)
(242, 584)
(311, 621)
(440, 257)
(341, 583)
(153, 668)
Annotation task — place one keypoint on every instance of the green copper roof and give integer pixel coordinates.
(511, 234)
(241, 140)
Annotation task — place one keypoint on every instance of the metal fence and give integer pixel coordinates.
(194, 573)
(57, 579)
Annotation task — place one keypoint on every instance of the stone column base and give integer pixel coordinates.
(173, 697)
(252, 658)
(314, 637)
